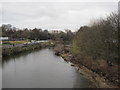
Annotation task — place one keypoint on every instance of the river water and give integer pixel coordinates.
(41, 69)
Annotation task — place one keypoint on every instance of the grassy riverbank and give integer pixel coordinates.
(14, 42)
(7, 52)
(103, 75)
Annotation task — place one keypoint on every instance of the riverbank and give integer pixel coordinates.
(7, 52)
(94, 71)
(103, 75)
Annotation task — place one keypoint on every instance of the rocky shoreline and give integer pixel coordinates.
(99, 81)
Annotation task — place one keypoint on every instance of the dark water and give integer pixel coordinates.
(41, 69)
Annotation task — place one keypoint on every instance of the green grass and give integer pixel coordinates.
(14, 42)
(75, 49)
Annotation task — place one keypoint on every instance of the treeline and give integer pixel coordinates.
(34, 34)
(98, 41)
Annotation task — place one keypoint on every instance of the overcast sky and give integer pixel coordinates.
(54, 15)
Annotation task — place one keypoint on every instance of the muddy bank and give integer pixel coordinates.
(99, 72)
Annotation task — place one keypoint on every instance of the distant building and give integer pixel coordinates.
(55, 31)
(3, 38)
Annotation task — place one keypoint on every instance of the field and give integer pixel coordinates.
(14, 42)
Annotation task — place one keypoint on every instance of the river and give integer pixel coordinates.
(41, 69)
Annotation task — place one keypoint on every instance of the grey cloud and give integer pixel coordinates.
(51, 15)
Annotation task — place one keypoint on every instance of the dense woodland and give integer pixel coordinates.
(99, 40)
(34, 34)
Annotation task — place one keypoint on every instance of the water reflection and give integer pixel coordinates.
(81, 82)
(24, 54)
(41, 69)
